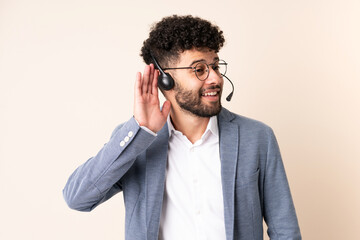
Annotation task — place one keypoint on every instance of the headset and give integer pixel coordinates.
(166, 82)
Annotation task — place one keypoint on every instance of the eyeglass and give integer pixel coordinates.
(202, 69)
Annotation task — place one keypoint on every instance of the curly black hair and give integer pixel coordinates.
(175, 34)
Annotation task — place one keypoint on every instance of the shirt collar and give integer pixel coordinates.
(212, 126)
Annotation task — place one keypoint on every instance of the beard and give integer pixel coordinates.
(190, 101)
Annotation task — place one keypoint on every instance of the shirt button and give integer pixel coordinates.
(198, 212)
(191, 149)
(130, 134)
(122, 143)
(195, 180)
(126, 139)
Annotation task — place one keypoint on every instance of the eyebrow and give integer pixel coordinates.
(203, 60)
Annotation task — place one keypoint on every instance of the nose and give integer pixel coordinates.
(214, 77)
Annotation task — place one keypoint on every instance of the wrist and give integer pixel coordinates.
(146, 128)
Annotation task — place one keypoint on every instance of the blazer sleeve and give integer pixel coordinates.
(279, 210)
(99, 178)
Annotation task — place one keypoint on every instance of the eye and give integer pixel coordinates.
(216, 67)
(200, 69)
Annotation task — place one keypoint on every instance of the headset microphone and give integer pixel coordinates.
(228, 98)
(165, 81)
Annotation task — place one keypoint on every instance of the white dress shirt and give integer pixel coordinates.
(193, 199)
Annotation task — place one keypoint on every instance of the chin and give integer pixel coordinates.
(207, 111)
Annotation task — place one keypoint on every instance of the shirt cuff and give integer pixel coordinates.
(146, 129)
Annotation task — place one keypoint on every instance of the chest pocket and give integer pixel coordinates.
(243, 181)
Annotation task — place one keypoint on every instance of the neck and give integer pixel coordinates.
(193, 127)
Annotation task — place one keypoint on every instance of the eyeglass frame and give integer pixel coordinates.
(220, 62)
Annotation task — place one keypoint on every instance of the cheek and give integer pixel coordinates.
(222, 79)
(190, 84)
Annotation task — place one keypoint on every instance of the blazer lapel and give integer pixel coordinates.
(229, 142)
(156, 158)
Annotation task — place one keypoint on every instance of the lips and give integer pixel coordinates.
(209, 94)
(211, 91)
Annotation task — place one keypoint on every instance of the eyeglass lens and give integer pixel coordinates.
(202, 69)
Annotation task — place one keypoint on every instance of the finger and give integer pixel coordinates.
(166, 108)
(145, 78)
(151, 78)
(138, 89)
(151, 74)
(155, 83)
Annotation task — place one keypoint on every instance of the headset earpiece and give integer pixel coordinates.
(165, 81)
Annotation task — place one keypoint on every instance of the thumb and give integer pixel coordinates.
(166, 108)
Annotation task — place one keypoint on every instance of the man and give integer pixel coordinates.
(189, 169)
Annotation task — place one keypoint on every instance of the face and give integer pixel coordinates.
(200, 98)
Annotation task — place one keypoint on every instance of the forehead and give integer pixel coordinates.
(189, 56)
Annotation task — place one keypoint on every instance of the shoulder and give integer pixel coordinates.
(249, 130)
(244, 123)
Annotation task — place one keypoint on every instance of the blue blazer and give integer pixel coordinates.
(254, 182)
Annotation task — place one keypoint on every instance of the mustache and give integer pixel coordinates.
(209, 88)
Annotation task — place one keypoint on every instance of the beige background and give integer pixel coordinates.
(66, 80)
